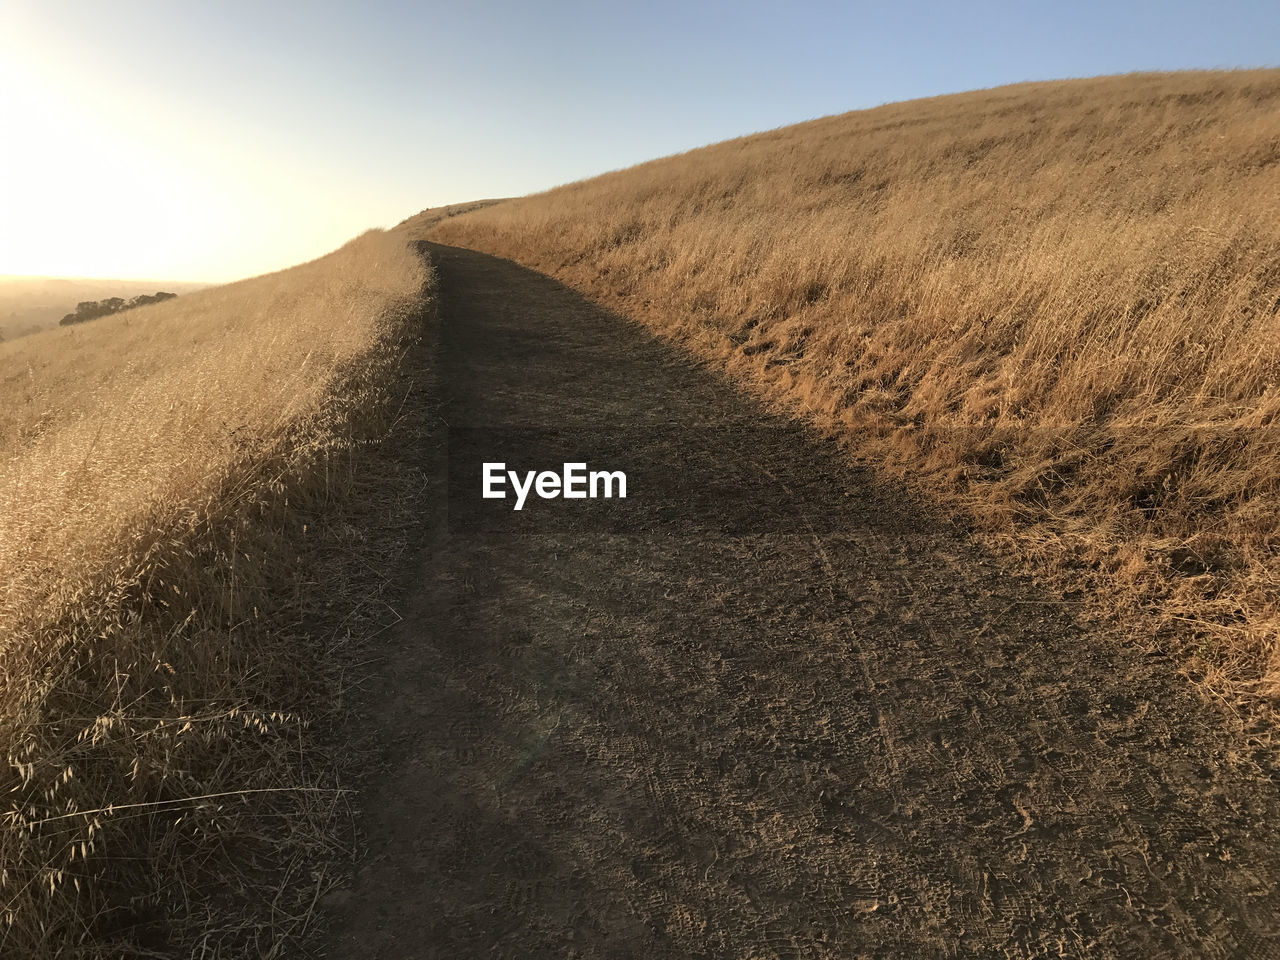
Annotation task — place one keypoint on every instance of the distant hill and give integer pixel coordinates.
(32, 304)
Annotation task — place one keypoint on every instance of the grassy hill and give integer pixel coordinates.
(168, 476)
(1053, 305)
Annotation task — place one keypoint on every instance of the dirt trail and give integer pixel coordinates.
(764, 707)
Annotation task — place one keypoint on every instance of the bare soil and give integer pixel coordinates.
(767, 706)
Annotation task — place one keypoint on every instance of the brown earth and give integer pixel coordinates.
(766, 706)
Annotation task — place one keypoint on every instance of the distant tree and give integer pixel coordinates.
(143, 299)
(93, 309)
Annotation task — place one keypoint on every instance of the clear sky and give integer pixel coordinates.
(214, 139)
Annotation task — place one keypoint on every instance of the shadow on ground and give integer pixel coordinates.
(765, 706)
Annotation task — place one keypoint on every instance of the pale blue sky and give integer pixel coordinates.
(210, 140)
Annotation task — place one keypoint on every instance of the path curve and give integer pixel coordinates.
(764, 707)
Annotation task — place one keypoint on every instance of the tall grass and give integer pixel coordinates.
(159, 473)
(1053, 304)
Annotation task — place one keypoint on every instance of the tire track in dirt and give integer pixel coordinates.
(764, 707)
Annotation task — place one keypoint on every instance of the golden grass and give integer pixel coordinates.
(157, 468)
(1055, 304)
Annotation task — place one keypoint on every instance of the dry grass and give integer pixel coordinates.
(1055, 304)
(162, 474)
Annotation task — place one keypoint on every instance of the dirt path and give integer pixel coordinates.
(764, 707)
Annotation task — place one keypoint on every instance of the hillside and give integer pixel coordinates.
(790, 696)
(1053, 307)
(181, 541)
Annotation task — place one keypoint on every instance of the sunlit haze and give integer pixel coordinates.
(213, 141)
